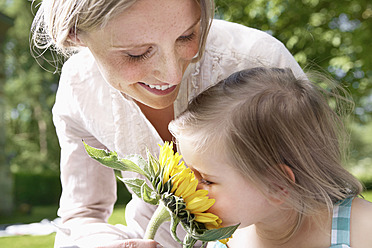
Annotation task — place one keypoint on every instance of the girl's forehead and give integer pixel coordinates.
(208, 158)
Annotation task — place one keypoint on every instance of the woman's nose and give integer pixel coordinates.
(169, 69)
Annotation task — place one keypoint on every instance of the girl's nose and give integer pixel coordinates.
(200, 186)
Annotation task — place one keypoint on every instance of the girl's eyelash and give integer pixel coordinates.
(187, 37)
(206, 182)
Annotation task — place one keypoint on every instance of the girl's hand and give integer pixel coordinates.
(132, 243)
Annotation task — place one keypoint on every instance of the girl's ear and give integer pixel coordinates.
(289, 172)
(75, 38)
(278, 192)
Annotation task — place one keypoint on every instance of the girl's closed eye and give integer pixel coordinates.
(206, 182)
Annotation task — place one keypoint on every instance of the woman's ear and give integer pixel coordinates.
(75, 38)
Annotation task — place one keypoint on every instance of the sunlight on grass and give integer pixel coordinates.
(368, 195)
(118, 216)
(45, 241)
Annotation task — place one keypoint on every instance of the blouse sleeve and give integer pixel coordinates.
(88, 188)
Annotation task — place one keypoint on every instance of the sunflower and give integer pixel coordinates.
(174, 190)
(184, 185)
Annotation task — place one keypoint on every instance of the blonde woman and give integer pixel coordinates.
(267, 147)
(132, 67)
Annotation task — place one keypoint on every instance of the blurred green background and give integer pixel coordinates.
(333, 35)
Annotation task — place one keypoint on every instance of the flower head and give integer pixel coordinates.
(174, 189)
(184, 184)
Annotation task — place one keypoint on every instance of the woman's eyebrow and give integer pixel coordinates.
(128, 47)
(133, 46)
(194, 24)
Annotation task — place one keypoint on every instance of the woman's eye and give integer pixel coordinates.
(206, 182)
(141, 57)
(187, 37)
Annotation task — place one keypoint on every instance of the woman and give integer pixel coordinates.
(136, 64)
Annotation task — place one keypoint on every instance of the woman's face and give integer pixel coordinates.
(144, 51)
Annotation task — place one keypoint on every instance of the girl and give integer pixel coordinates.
(135, 66)
(267, 147)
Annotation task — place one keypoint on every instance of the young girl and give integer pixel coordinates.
(267, 147)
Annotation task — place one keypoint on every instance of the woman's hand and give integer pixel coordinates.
(132, 243)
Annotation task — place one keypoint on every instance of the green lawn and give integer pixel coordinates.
(39, 213)
(47, 241)
(368, 195)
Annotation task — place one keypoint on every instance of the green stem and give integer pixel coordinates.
(161, 215)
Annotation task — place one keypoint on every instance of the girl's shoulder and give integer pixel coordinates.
(361, 223)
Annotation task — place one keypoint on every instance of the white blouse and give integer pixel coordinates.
(88, 108)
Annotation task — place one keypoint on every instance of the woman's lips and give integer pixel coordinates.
(158, 89)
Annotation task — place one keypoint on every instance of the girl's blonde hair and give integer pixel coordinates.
(264, 118)
(56, 20)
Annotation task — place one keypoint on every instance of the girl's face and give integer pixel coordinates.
(237, 200)
(145, 50)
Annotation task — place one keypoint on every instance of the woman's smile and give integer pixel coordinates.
(135, 48)
(158, 89)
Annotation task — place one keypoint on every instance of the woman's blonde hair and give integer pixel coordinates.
(56, 20)
(264, 118)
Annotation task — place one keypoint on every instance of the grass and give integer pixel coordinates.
(368, 195)
(45, 241)
(49, 212)
(38, 214)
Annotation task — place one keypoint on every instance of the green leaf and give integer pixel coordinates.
(149, 195)
(135, 184)
(173, 228)
(110, 159)
(188, 241)
(215, 234)
(153, 164)
(141, 162)
(149, 166)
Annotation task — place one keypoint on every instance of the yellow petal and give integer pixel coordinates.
(206, 217)
(179, 178)
(181, 188)
(192, 184)
(187, 186)
(199, 204)
(224, 241)
(213, 224)
(198, 193)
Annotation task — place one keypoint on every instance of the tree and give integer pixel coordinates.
(6, 201)
(334, 35)
(29, 89)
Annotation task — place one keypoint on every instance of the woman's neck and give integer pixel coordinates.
(160, 119)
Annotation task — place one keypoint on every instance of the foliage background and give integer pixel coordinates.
(29, 92)
(334, 35)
